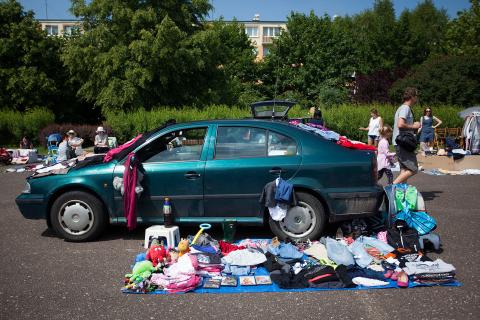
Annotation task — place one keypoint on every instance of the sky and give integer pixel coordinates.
(268, 10)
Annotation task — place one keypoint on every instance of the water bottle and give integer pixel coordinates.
(167, 213)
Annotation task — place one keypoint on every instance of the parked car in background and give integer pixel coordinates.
(211, 171)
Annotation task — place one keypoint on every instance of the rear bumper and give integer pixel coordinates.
(32, 206)
(351, 205)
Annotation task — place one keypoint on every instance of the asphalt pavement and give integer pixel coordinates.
(44, 277)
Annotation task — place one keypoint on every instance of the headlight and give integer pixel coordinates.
(27, 188)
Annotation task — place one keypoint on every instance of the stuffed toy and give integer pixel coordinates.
(183, 247)
(173, 255)
(141, 270)
(157, 254)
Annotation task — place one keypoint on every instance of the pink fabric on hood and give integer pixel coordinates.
(109, 156)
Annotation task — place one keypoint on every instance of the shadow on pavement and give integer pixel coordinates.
(430, 195)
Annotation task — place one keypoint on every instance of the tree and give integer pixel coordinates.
(141, 54)
(421, 32)
(463, 34)
(444, 79)
(308, 58)
(28, 60)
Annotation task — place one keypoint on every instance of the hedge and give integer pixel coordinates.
(15, 125)
(345, 119)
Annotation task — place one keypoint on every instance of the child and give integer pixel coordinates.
(384, 157)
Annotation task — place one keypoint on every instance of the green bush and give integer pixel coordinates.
(345, 119)
(445, 79)
(14, 125)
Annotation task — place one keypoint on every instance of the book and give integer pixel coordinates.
(263, 280)
(229, 281)
(247, 281)
(212, 283)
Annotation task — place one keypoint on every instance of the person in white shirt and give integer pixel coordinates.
(75, 142)
(101, 141)
(62, 149)
(376, 122)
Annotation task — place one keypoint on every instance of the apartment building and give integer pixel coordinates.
(261, 33)
(59, 27)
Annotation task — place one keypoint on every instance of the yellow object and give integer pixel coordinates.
(203, 226)
(183, 247)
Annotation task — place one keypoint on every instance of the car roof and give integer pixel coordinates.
(246, 121)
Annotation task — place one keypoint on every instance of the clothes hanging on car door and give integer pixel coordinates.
(278, 196)
(132, 176)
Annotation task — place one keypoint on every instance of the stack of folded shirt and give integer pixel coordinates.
(209, 264)
(431, 272)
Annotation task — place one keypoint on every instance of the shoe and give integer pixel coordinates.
(388, 274)
(402, 281)
(394, 276)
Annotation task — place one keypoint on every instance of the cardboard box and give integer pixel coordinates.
(447, 163)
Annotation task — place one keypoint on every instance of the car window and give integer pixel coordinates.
(180, 145)
(240, 142)
(280, 145)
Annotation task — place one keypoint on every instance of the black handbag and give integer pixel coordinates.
(406, 140)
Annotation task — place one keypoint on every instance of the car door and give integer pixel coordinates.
(173, 165)
(244, 159)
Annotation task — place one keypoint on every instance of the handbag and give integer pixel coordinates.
(406, 140)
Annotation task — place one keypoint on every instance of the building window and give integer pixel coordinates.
(52, 30)
(68, 30)
(271, 31)
(251, 32)
(266, 51)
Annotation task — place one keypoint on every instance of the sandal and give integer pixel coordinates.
(394, 276)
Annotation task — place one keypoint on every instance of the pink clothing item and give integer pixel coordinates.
(129, 196)
(384, 156)
(164, 281)
(382, 236)
(109, 156)
(185, 286)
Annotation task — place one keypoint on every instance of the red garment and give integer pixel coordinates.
(227, 247)
(344, 142)
(157, 254)
(109, 156)
(129, 195)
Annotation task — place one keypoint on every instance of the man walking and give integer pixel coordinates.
(404, 122)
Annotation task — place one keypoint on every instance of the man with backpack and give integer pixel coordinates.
(404, 136)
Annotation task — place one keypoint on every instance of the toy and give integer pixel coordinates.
(157, 254)
(141, 271)
(183, 247)
(203, 226)
(173, 255)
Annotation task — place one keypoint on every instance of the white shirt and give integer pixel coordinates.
(374, 126)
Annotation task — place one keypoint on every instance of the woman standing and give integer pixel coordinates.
(427, 129)
(376, 122)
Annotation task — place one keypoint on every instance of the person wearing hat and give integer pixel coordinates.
(75, 142)
(101, 141)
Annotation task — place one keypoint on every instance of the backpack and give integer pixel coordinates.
(401, 236)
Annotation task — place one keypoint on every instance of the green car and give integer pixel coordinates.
(212, 171)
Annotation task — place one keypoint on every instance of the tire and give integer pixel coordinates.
(305, 221)
(78, 216)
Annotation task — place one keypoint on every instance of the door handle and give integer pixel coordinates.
(192, 175)
(277, 171)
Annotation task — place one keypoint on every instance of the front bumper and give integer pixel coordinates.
(32, 206)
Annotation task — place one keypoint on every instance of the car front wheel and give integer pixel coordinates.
(78, 216)
(302, 222)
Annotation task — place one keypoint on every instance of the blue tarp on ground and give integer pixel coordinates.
(275, 288)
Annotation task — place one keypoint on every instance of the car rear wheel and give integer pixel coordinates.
(302, 222)
(78, 216)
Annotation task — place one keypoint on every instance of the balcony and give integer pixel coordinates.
(268, 39)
